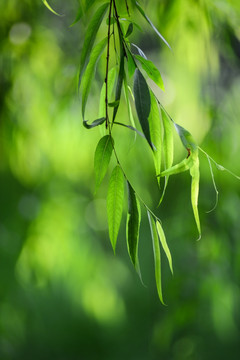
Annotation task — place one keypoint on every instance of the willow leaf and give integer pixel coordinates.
(115, 204)
(129, 30)
(142, 102)
(111, 81)
(141, 53)
(130, 115)
(195, 174)
(214, 185)
(90, 72)
(151, 70)
(157, 256)
(164, 244)
(45, 2)
(90, 37)
(167, 147)
(151, 24)
(184, 165)
(156, 134)
(133, 225)
(131, 63)
(94, 123)
(102, 158)
(186, 138)
(119, 85)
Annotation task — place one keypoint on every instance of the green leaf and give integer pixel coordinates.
(195, 174)
(157, 256)
(102, 158)
(131, 128)
(184, 165)
(186, 138)
(156, 134)
(111, 81)
(141, 53)
(114, 104)
(90, 72)
(130, 115)
(115, 204)
(167, 147)
(131, 63)
(90, 37)
(164, 244)
(119, 85)
(151, 24)
(142, 102)
(133, 225)
(94, 123)
(49, 8)
(129, 30)
(151, 70)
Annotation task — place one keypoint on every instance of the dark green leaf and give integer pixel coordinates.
(102, 158)
(151, 70)
(142, 103)
(115, 204)
(131, 63)
(91, 33)
(119, 85)
(90, 72)
(129, 30)
(94, 123)
(157, 256)
(151, 24)
(114, 104)
(195, 174)
(131, 128)
(156, 134)
(111, 81)
(133, 225)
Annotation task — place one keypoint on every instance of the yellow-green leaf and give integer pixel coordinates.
(115, 204)
(151, 70)
(164, 244)
(102, 158)
(195, 174)
(50, 8)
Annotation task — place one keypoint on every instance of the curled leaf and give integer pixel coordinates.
(50, 8)
(94, 123)
(195, 174)
(164, 244)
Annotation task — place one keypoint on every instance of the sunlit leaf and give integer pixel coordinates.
(50, 8)
(182, 166)
(157, 256)
(94, 123)
(90, 72)
(214, 185)
(142, 102)
(119, 86)
(133, 225)
(115, 204)
(194, 171)
(151, 24)
(130, 115)
(131, 63)
(90, 37)
(141, 53)
(186, 138)
(167, 147)
(102, 158)
(131, 128)
(156, 134)
(151, 70)
(164, 244)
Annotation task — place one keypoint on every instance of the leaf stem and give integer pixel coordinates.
(107, 62)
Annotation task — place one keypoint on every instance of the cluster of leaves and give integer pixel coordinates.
(156, 124)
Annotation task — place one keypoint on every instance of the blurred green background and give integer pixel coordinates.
(63, 294)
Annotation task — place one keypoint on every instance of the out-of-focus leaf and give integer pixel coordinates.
(151, 24)
(113, 104)
(167, 147)
(151, 70)
(90, 72)
(133, 225)
(131, 63)
(90, 37)
(115, 204)
(156, 134)
(163, 241)
(195, 174)
(119, 85)
(94, 123)
(102, 158)
(184, 165)
(142, 102)
(141, 53)
(157, 256)
(129, 30)
(131, 128)
(79, 15)
(50, 8)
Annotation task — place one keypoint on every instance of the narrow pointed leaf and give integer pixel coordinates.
(50, 8)
(111, 81)
(115, 204)
(214, 185)
(157, 256)
(119, 86)
(151, 70)
(129, 30)
(141, 53)
(151, 24)
(164, 244)
(167, 147)
(186, 138)
(130, 115)
(142, 102)
(184, 165)
(90, 37)
(133, 225)
(94, 123)
(195, 174)
(131, 128)
(131, 63)
(102, 158)
(156, 134)
(90, 72)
